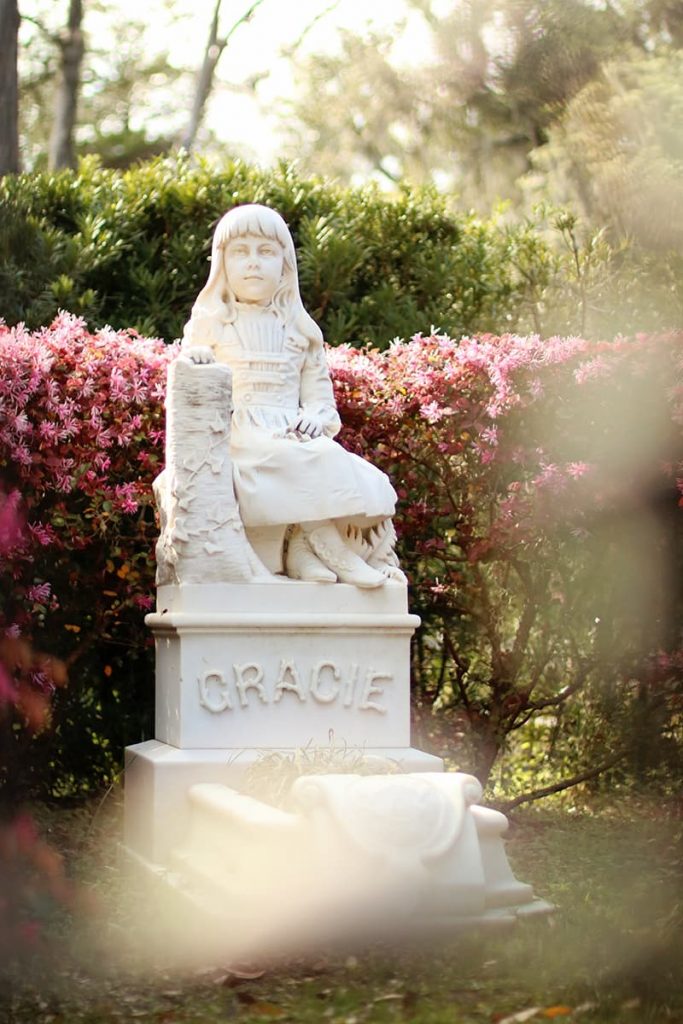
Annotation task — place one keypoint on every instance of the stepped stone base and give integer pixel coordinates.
(159, 776)
(381, 856)
(246, 670)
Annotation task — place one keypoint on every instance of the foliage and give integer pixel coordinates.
(499, 75)
(579, 279)
(28, 679)
(537, 485)
(125, 93)
(81, 441)
(271, 777)
(617, 150)
(30, 869)
(538, 526)
(131, 249)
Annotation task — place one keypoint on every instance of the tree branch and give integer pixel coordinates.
(489, 625)
(562, 697)
(53, 37)
(289, 51)
(212, 54)
(61, 151)
(558, 787)
(240, 21)
(9, 88)
(458, 666)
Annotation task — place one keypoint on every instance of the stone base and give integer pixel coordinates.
(282, 664)
(158, 779)
(248, 670)
(353, 857)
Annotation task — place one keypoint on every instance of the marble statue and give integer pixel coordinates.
(256, 493)
(327, 511)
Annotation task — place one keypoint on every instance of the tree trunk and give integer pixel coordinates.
(9, 87)
(61, 150)
(212, 54)
(204, 80)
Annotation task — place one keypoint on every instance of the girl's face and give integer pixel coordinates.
(253, 265)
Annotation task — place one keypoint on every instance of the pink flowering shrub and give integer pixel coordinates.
(539, 483)
(30, 869)
(27, 678)
(81, 438)
(537, 523)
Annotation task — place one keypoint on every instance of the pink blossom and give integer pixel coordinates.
(43, 533)
(490, 435)
(551, 476)
(432, 412)
(10, 521)
(578, 469)
(40, 592)
(125, 499)
(592, 369)
(48, 431)
(21, 454)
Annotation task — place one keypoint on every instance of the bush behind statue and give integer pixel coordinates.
(130, 249)
(537, 522)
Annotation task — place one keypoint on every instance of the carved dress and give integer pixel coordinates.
(279, 478)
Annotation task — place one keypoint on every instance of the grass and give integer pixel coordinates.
(611, 954)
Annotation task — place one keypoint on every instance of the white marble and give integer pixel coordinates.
(282, 623)
(202, 536)
(262, 665)
(312, 510)
(159, 778)
(376, 853)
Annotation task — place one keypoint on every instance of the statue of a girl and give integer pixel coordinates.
(288, 472)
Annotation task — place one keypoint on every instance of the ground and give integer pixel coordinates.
(609, 955)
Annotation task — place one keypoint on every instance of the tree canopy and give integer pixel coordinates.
(502, 75)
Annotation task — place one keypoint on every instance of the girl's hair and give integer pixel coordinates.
(216, 303)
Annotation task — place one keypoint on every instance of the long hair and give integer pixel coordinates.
(216, 304)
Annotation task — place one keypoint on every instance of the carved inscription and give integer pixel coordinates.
(325, 683)
(370, 689)
(251, 681)
(288, 679)
(322, 672)
(214, 694)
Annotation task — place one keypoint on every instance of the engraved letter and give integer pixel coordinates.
(350, 686)
(254, 682)
(369, 690)
(221, 701)
(316, 671)
(288, 668)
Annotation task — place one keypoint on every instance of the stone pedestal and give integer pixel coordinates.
(282, 664)
(244, 668)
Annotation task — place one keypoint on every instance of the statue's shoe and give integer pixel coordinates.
(302, 564)
(328, 545)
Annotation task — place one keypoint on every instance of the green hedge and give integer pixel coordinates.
(131, 250)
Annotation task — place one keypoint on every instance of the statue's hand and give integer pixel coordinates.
(307, 424)
(200, 354)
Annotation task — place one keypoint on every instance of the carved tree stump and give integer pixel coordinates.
(202, 536)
